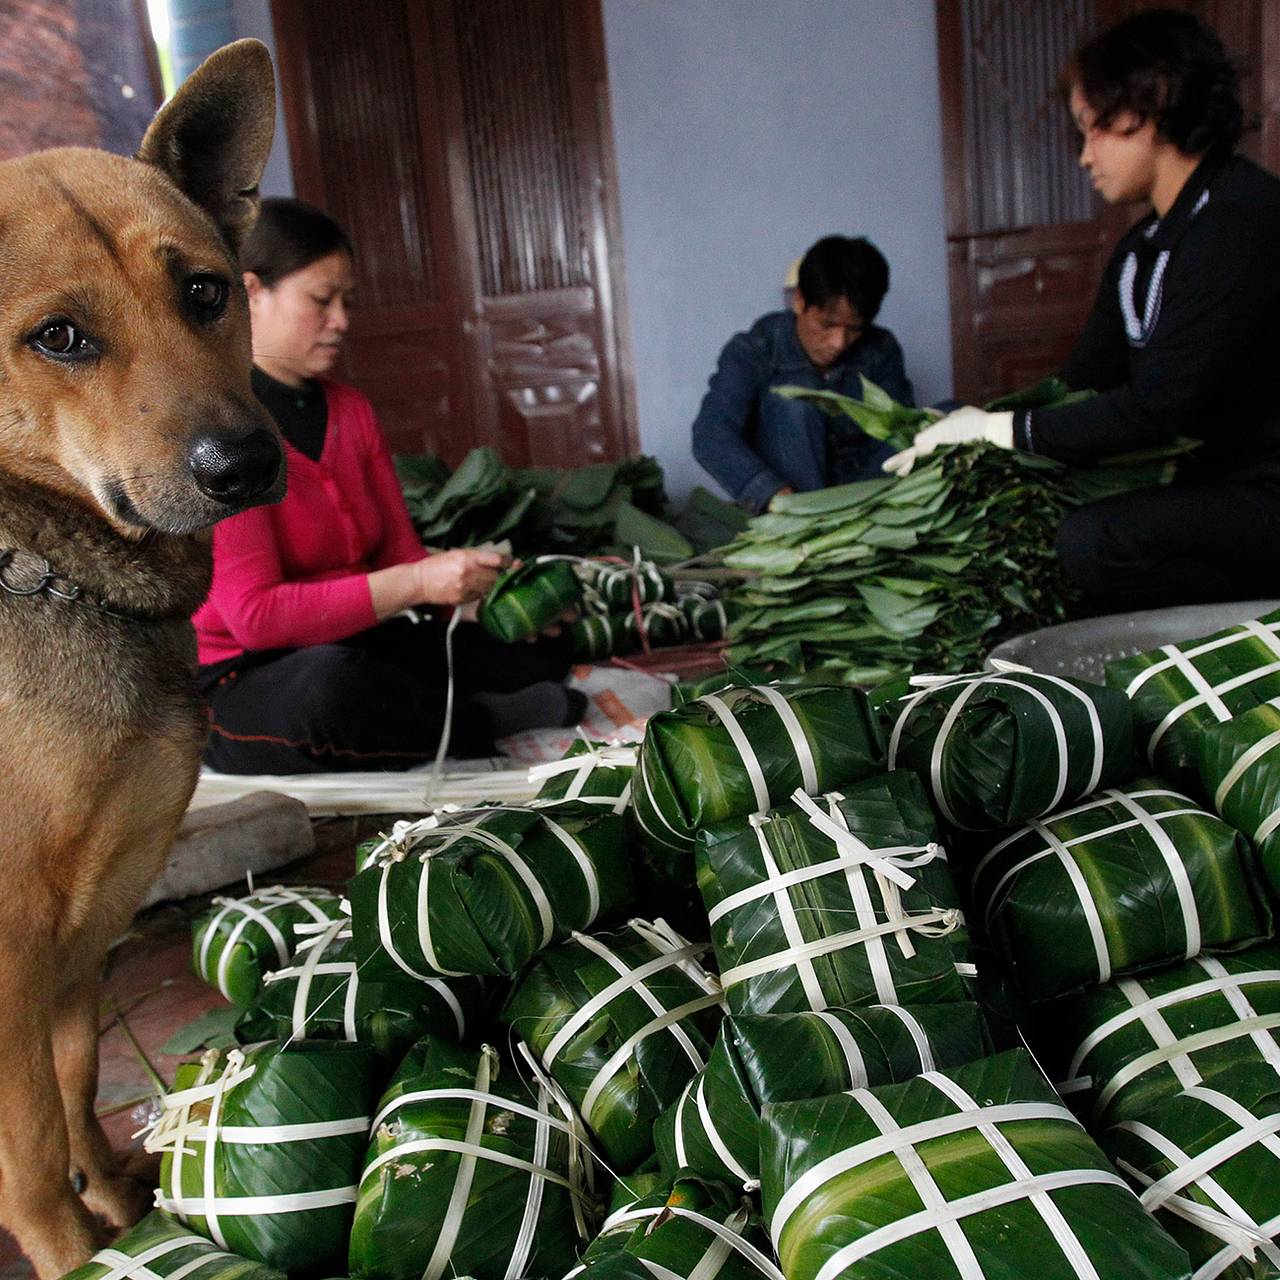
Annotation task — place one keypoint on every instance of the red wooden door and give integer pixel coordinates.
(467, 147)
(1027, 239)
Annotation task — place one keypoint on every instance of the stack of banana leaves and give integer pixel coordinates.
(621, 1021)
(603, 508)
(1118, 1051)
(1178, 690)
(688, 1227)
(262, 1148)
(714, 1129)
(482, 892)
(1207, 1164)
(1131, 878)
(976, 1171)
(324, 996)
(1240, 772)
(846, 899)
(238, 940)
(471, 1171)
(160, 1247)
(872, 580)
(1007, 746)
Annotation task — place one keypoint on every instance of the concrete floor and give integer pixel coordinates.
(150, 983)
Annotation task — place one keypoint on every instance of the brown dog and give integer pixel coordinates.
(127, 428)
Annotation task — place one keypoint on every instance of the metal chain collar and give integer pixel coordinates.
(52, 583)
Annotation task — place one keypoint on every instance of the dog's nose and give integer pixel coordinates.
(233, 469)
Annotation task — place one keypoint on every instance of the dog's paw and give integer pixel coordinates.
(117, 1201)
(142, 1166)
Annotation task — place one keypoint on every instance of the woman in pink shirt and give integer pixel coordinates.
(305, 660)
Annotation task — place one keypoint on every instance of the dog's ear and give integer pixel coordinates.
(214, 135)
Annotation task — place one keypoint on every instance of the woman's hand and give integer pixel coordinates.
(443, 577)
(457, 577)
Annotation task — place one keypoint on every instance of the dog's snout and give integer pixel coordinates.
(236, 469)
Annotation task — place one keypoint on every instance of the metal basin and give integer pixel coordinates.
(1082, 649)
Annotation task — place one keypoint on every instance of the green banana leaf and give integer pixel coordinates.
(589, 771)
(238, 940)
(635, 530)
(286, 1197)
(1240, 773)
(601, 635)
(709, 522)
(1206, 1163)
(1179, 690)
(1003, 747)
(621, 1020)
(1130, 879)
(483, 892)
(470, 1172)
(976, 1172)
(1118, 1051)
(324, 996)
(733, 678)
(714, 1129)
(692, 770)
(843, 900)
(160, 1247)
(528, 598)
(695, 1229)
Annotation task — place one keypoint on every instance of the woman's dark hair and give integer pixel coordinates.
(1167, 67)
(838, 267)
(288, 236)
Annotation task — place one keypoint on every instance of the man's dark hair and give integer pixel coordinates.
(838, 267)
(1167, 67)
(288, 236)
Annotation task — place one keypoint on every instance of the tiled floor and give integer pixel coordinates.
(150, 985)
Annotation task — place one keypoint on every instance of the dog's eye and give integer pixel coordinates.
(62, 340)
(207, 295)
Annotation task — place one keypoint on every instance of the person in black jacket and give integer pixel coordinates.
(1183, 340)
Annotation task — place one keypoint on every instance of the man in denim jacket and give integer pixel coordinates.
(757, 444)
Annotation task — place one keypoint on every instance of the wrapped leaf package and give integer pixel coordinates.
(978, 1172)
(525, 600)
(1240, 771)
(743, 750)
(160, 1247)
(662, 624)
(485, 891)
(262, 1149)
(1179, 689)
(591, 772)
(470, 1173)
(1000, 748)
(611, 587)
(1121, 1049)
(323, 996)
(846, 900)
(714, 1130)
(621, 1020)
(239, 939)
(698, 1229)
(601, 635)
(1130, 879)
(708, 619)
(1207, 1164)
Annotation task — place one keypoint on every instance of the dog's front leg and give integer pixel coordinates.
(117, 1199)
(52, 1226)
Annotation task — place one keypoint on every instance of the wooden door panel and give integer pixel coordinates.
(554, 424)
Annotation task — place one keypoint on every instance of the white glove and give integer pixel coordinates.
(963, 426)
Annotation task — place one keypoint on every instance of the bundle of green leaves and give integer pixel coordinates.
(926, 572)
(604, 508)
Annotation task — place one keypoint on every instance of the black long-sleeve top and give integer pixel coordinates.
(1184, 337)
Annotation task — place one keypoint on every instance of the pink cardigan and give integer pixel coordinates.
(294, 574)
